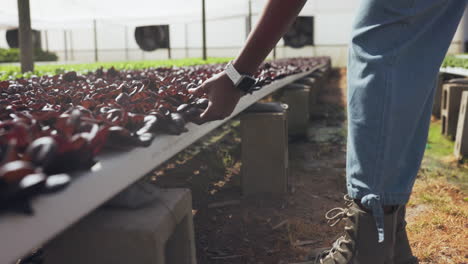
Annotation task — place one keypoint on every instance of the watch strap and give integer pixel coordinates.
(232, 73)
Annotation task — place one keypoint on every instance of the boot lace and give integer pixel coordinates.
(334, 216)
(336, 248)
(348, 200)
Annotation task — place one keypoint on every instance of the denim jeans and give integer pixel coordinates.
(396, 49)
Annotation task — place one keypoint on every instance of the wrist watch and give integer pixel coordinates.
(244, 82)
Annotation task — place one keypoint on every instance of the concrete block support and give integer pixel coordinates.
(450, 106)
(320, 80)
(264, 152)
(326, 71)
(313, 93)
(436, 107)
(159, 233)
(461, 141)
(296, 96)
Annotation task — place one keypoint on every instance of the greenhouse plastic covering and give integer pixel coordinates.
(50, 14)
(61, 14)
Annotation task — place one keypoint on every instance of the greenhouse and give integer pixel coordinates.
(253, 131)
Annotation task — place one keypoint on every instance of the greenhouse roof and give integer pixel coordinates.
(66, 14)
(49, 14)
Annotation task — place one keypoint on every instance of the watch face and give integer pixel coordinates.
(246, 83)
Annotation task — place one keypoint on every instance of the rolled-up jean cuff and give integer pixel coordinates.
(385, 198)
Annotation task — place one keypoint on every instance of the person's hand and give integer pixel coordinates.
(222, 95)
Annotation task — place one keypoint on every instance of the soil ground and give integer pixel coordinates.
(231, 228)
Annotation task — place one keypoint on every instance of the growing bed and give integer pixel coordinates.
(457, 65)
(114, 171)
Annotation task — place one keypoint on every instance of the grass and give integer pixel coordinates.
(438, 145)
(439, 232)
(438, 209)
(439, 160)
(12, 71)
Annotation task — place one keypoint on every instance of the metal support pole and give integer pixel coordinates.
(65, 48)
(169, 54)
(96, 58)
(72, 53)
(127, 56)
(25, 36)
(249, 21)
(464, 32)
(204, 30)
(274, 53)
(46, 40)
(186, 41)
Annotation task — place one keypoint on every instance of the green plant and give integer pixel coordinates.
(13, 55)
(10, 71)
(457, 62)
(42, 55)
(9, 55)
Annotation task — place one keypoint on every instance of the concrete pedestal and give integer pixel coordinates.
(264, 152)
(320, 80)
(326, 70)
(436, 107)
(159, 233)
(313, 93)
(461, 140)
(450, 107)
(296, 96)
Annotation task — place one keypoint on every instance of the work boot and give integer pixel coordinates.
(403, 254)
(359, 244)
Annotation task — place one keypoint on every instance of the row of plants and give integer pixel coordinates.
(13, 55)
(14, 72)
(52, 125)
(455, 62)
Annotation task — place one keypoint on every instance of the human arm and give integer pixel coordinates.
(276, 18)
